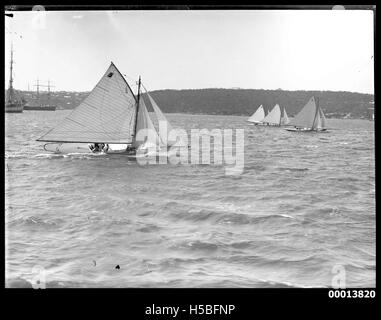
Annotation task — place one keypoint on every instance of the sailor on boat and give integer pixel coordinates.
(99, 147)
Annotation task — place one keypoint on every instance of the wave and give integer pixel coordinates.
(277, 262)
(33, 221)
(363, 148)
(196, 246)
(253, 219)
(18, 283)
(229, 215)
(292, 169)
(286, 284)
(148, 228)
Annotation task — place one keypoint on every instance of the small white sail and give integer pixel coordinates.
(317, 122)
(107, 115)
(305, 118)
(320, 122)
(274, 116)
(258, 115)
(323, 120)
(285, 120)
(148, 135)
(162, 119)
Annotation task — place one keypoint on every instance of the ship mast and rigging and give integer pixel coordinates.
(13, 103)
(39, 105)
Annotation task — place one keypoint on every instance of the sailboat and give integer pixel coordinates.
(310, 118)
(257, 116)
(284, 120)
(13, 104)
(110, 120)
(273, 117)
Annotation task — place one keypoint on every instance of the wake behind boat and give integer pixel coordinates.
(109, 121)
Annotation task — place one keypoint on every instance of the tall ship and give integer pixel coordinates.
(40, 103)
(13, 103)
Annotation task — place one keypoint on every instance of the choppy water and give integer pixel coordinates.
(304, 204)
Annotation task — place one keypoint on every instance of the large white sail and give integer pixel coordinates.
(305, 118)
(164, 136)
(274, 116)
(258, 115)
(148, 135)
(107, 115)
(285, 120)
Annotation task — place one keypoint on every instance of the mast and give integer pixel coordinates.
(49, 92)
(10, 90)
(137, 107)
(38, 89)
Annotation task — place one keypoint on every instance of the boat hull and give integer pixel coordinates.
(84, 148)
(305, 130)
(40, 108)
(57, 147)
(261, 124)
(14, 108)
(67, 147)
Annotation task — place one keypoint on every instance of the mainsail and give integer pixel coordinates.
(285, 120)
(274, 116)
(258, 115)
(107, 115)
(305, 118)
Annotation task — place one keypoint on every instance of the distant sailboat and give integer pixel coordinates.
(273, 117)
(257, 116)
(310, 118)
(284, 120)
(109, 120)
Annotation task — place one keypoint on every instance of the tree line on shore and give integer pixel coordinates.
(238, 101)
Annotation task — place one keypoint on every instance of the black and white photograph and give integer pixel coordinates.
(199, 148)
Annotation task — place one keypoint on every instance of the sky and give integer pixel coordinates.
(251, 49)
